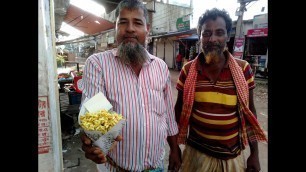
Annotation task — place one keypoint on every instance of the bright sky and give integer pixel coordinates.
(253, 8)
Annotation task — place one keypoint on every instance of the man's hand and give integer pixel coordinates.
(92, 152)
(175, 159)
(253, 164)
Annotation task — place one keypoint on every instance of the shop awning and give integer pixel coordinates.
(86, 22)
(186, 33)
(189, 38)
(257, 32)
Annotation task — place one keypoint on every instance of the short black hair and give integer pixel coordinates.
(213, 14)
(132, 4)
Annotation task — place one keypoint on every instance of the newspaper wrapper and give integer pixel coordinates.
(104, 141)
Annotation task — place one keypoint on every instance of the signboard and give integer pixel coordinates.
(257, 32)
(260, 21)
(183, 23)
(238, 48)
(43, 125)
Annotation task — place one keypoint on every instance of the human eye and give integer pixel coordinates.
(122, 21)
(139, 22)
(220, 33)
(206, 34)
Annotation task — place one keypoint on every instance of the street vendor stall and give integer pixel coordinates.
(70, 97)
(256, 51)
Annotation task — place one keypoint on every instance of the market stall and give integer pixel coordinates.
(70, 97)
(256, 51)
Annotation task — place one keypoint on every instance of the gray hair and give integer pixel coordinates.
(132, 4)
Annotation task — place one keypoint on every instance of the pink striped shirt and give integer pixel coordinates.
(145, 101)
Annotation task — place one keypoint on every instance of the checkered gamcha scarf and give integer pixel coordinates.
(249, 125)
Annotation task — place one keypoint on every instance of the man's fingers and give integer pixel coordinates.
(113, 145)
(118, 138)
(85, 139)
(91, 149)
(97, 159)
(97, 151)
(94, 153)
(86, 148)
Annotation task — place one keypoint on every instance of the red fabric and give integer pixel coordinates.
(179, 58)
(188, 97)
(251, 129)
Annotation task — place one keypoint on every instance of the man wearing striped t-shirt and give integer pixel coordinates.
(138, 86)
(215, 108)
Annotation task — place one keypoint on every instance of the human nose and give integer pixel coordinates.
(130, 27)
(212, 38)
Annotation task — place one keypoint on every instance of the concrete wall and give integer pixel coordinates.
(164, 21)
(49, 131)
(165, 49)
(247, 24)
(165, 16)
(169, 53)
(160, 49)
(246, 27)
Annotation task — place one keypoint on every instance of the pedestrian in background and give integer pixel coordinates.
(215, 100)
(179, 59)
(138, 86)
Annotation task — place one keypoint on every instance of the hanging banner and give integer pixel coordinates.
(238, 48)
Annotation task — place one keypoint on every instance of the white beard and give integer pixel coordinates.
(132, 54)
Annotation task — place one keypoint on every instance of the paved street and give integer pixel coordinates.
(75, 161)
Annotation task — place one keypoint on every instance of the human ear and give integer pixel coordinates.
(148, 28)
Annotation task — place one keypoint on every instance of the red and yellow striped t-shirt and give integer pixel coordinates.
(214, 122)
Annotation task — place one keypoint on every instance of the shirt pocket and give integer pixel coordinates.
(155, 101)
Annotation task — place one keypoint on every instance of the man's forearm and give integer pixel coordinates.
(254, 148)
(178, 106)
(172, 141)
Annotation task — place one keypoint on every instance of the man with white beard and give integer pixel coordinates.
(215, 101)
(138, 86)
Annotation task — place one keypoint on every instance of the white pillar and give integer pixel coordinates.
(49, 131)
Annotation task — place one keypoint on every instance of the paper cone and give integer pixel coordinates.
(103, 141)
